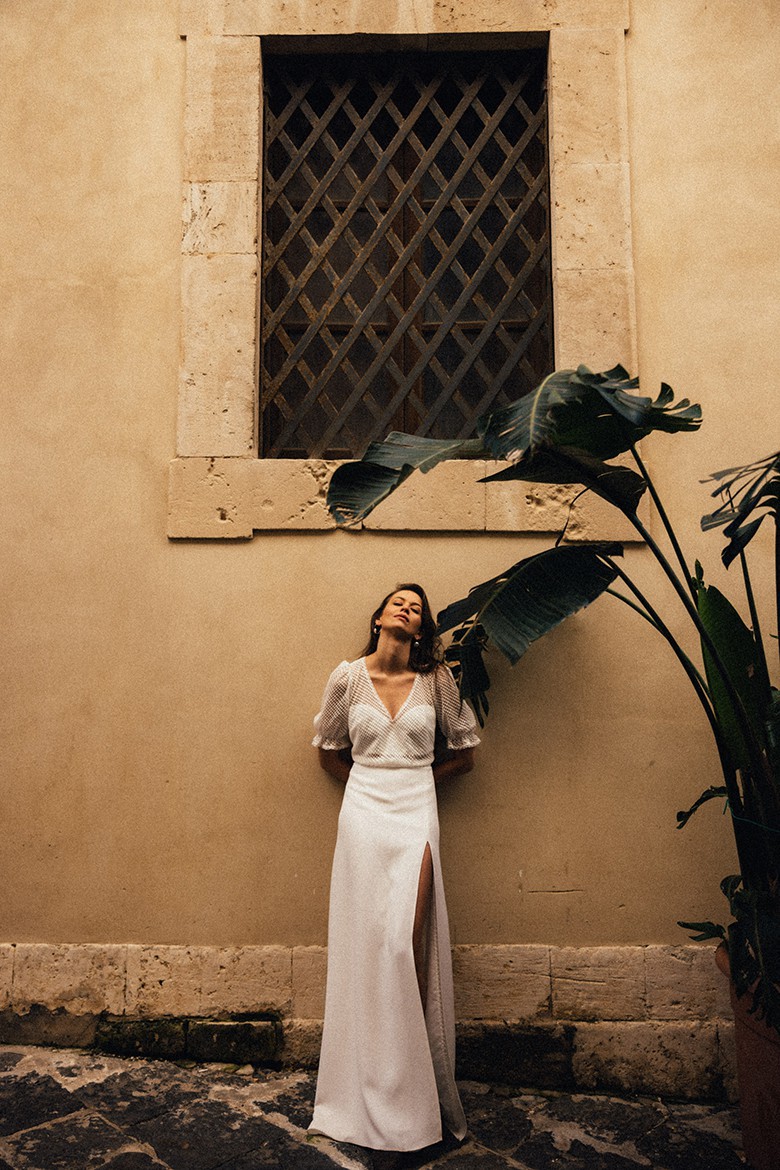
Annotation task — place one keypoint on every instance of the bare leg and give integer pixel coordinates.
(420, 929)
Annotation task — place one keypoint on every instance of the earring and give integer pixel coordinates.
(416, 643)
(376, 629)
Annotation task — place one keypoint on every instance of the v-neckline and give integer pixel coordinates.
(379, 698)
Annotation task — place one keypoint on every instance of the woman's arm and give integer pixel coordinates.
(456, 764)
(336, 763)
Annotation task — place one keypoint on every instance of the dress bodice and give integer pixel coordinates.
(353, 715)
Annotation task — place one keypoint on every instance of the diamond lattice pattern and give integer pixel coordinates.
(406, 268)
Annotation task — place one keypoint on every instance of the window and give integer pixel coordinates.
(406, 276)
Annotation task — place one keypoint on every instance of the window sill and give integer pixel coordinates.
(232, 498)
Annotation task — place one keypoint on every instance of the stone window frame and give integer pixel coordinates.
(218, 487)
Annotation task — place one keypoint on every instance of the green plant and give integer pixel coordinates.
(566, 432)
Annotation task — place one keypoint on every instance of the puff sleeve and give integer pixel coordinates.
(332, 722)
(455, 717)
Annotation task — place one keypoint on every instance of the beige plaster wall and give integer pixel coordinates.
(157, 696)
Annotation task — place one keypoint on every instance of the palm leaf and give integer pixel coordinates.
(522, 604)
(754, 487)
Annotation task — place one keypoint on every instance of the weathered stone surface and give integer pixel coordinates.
(674, 1059)
(291, 17)
(595, 318)
(167, 981)
(598, 983)
(209, 497)
(516, 1054)
(447, 497)
(222, 114)
(6, 973)
(82, 979)
(591, 209)
(682, 983)
(219, 217)
(201, 17)
(309, 967)
(528, 15)
(246, 979)
(233, 1041)
(290, 494)
(585, 65)
(218, 391)
(301, 1042)
(161, 1039)
(501, 982)
(40, 1025)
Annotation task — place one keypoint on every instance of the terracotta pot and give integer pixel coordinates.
(758, 1074)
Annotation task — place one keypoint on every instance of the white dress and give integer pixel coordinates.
(386, 1074)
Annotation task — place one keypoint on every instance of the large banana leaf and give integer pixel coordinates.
(522, 604)
(736, 647)
(619, 485)
(356, 488)
(597, 413)
(753, 488)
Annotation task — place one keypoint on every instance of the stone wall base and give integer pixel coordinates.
(675, 1060)
(644, 1019)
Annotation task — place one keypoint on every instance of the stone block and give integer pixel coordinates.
(158, 1039)
(501, 982)
(233, 1041)
(290, 494)
(218, 391)
(595, 318)
(246, 979)
(222, 110)
(528, 15)
(39, 1025)
(598, 983)
(673, 1059)
(301, 1043)
(209, 498)
(219, 217)
(167, 981)
(682, 983)
(309, 968)
(585, 65)
(80, 979)
(6, 973)
(201, 17)
(592, 216)
(446, 498)
(505, 1052)
(526, 507)
(304, 17)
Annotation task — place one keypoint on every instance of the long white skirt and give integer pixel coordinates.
(386, 1074)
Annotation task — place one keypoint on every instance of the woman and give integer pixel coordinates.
(386, 1074)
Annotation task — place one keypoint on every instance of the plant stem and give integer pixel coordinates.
(646, 610)
(758, 761)
(664, 520)
(762, 662)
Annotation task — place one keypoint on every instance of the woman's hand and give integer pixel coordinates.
(456, 764)
(336, 763)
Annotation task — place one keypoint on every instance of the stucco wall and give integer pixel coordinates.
(157, 696)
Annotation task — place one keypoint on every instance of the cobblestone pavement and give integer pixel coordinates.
(71, 1110)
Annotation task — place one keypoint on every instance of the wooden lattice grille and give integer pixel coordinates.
(406, 267)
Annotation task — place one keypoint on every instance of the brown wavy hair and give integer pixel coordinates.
(426, 651)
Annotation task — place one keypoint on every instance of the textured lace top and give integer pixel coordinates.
(353, 715)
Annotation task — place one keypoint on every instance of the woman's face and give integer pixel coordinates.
(403, 611)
